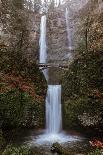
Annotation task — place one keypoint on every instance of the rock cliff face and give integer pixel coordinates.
(57, 35)
(57, 42)
(57, 39)
(84, 19)
(88, 25)
(22, 31)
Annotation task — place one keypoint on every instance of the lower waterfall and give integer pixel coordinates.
(53, 132)
(53, 109)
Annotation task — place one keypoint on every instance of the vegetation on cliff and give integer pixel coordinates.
(82, 87)
(22, 85)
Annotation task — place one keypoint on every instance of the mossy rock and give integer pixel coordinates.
(60, 150)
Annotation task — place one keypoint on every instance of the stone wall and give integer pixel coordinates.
(57, 42)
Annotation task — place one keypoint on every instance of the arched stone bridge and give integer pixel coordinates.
(53, 65)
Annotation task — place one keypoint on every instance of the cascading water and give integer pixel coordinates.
(53, 99)
(53, 109)
(42, 43)
(69, 30)
(53, 131)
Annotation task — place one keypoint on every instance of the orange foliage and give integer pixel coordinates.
(96, 143)
(13, 81)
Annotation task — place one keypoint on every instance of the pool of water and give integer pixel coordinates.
(40, 142)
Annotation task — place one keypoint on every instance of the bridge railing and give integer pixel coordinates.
(52, 65)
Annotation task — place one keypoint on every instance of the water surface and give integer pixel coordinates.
(41, 143)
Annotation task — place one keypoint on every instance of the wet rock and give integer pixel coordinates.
(57, 148)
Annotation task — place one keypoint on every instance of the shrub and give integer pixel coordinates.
(12, 150)
(96, 152)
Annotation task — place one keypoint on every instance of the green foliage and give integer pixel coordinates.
(18, 109)
(11, 150)
(2, 142)
(84, 75)
(18, 54)
(82, 88)
(96, 152)
(12, 106)
(32, 71)
(82, 83)
(78, 106)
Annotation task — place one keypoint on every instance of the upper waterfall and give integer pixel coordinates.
(42, 42)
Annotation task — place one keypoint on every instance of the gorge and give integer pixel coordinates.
(51, 75)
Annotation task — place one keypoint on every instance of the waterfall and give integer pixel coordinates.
(42, 44)
(53, 109)
(53, 98)
(69, 30)
(53, 131)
